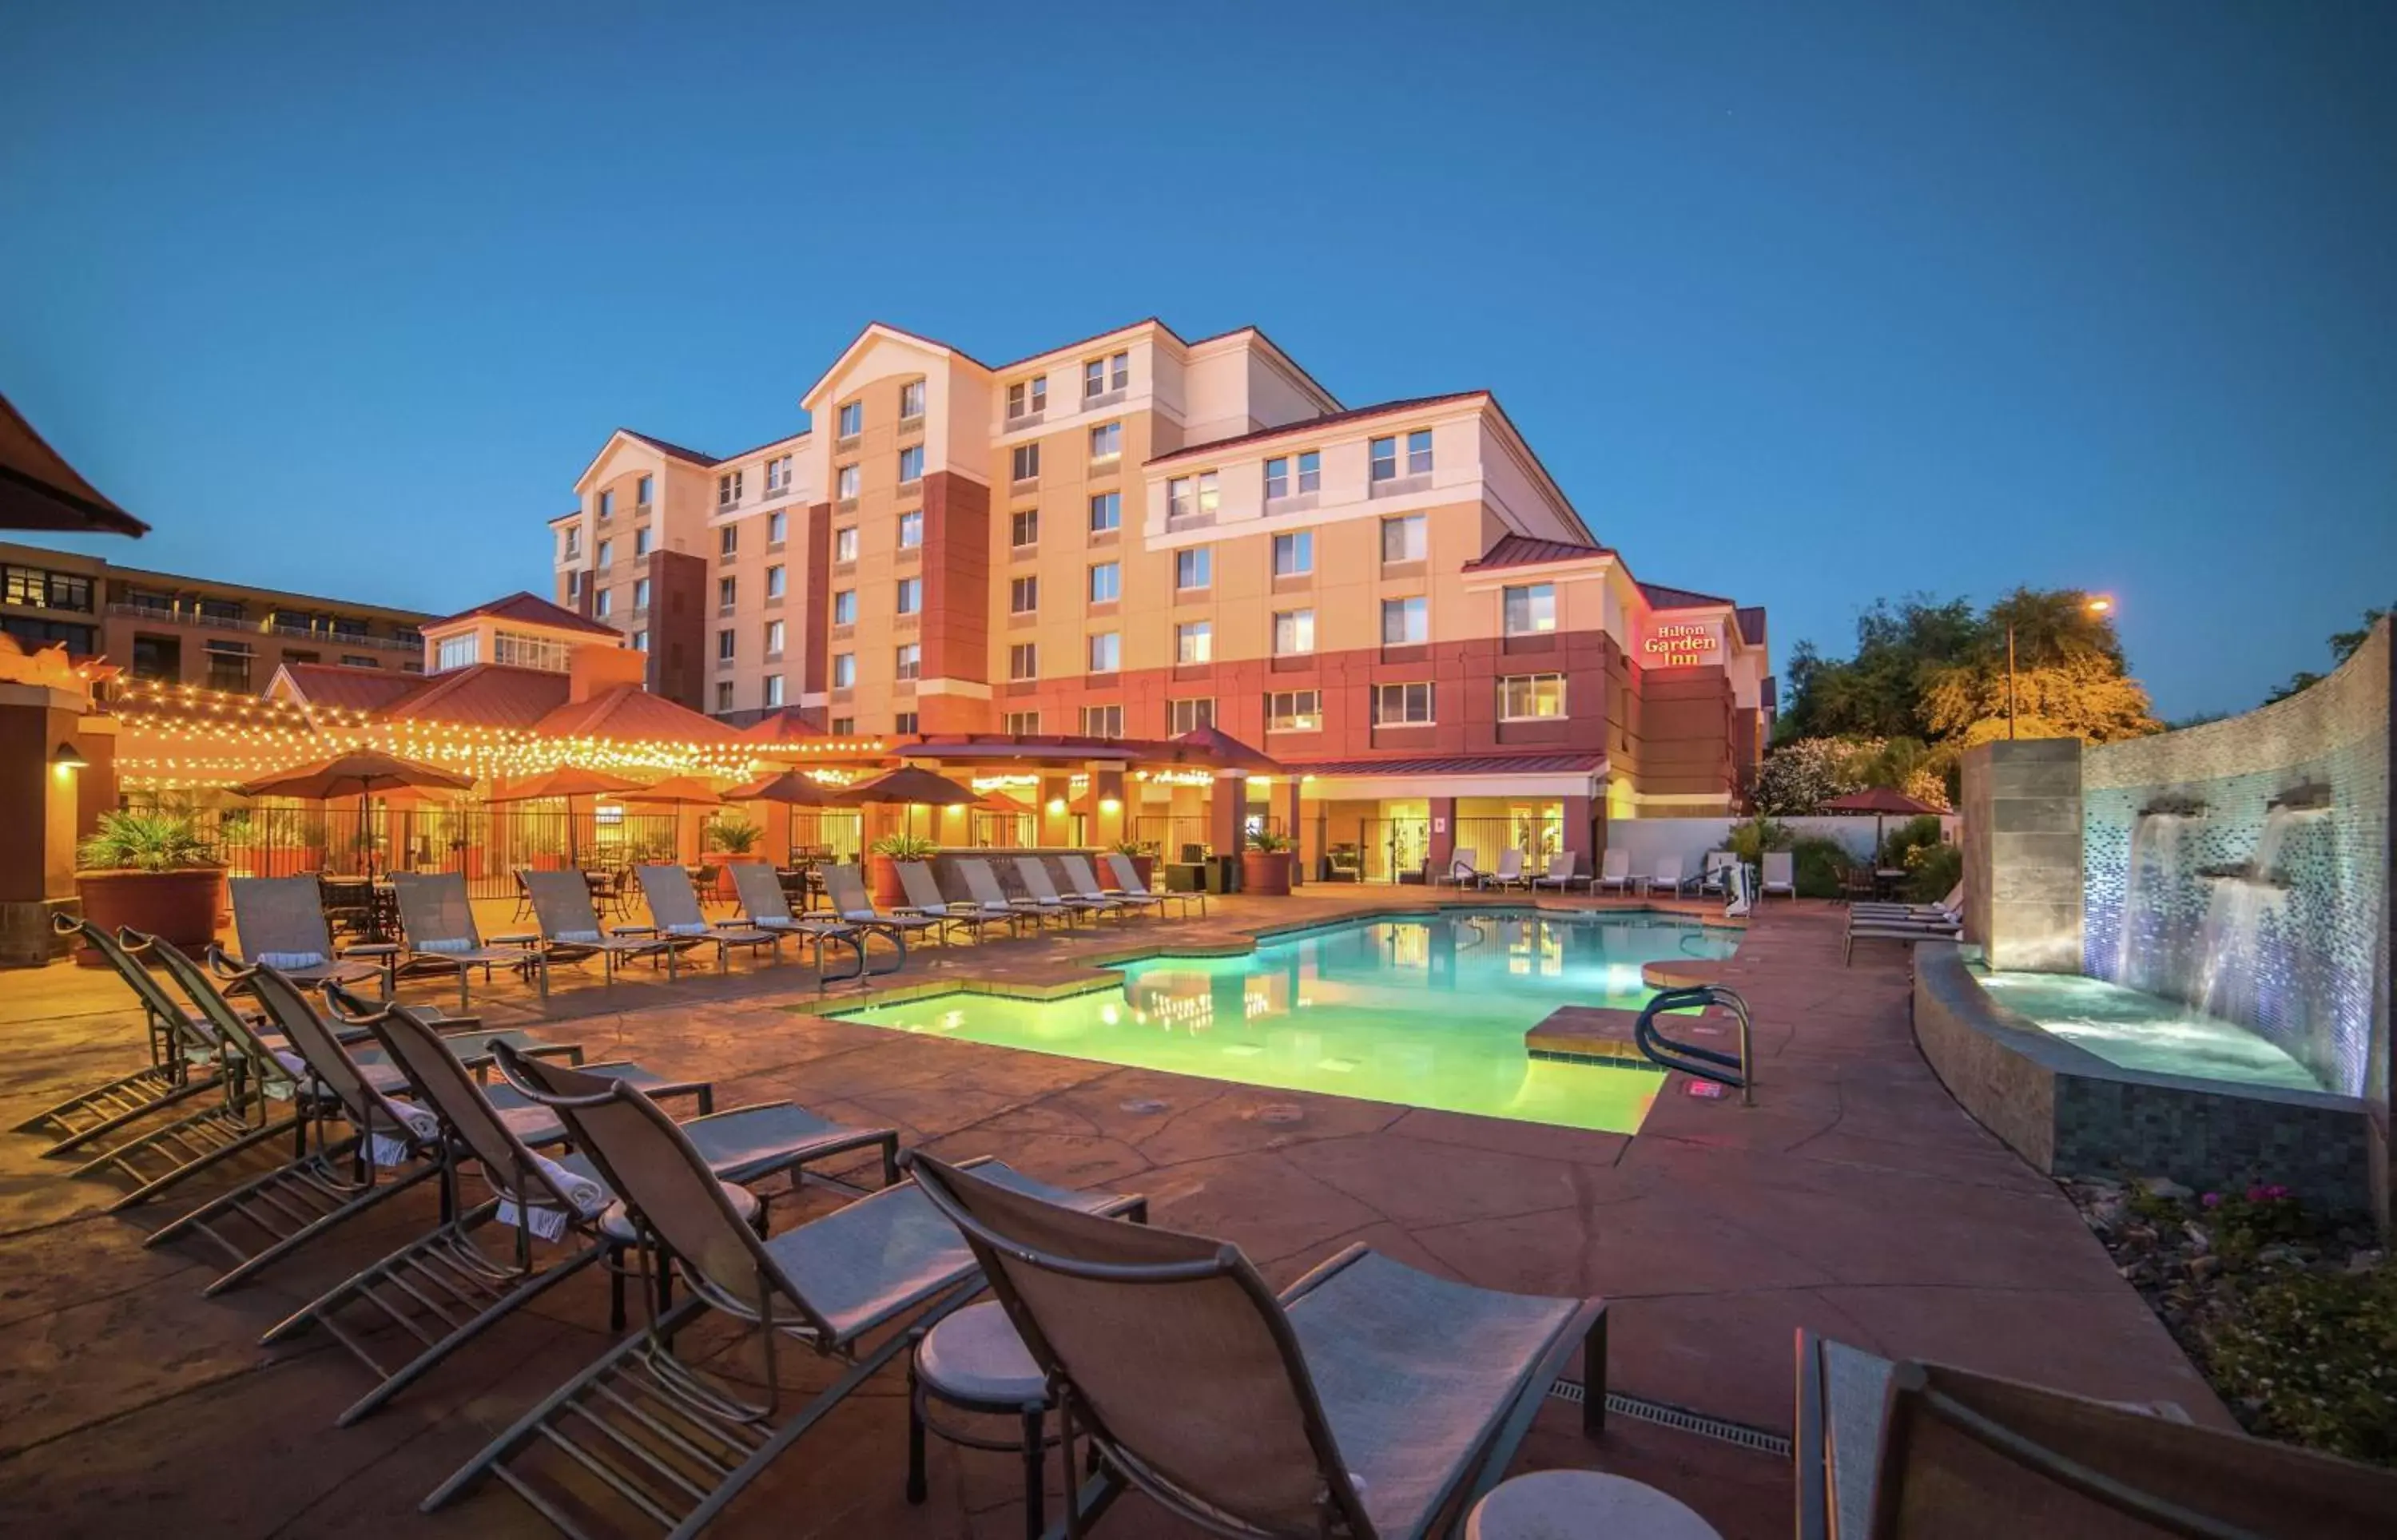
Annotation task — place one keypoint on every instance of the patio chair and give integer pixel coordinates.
(1613, 872)
(1462, 869)
(281, 921)
(1367, 1399)
(975, 915)
(1904, 932)
(1780, 875)
(767, 905)
(1671, 874)
(1713, 872)
(1043, 894)
(845, 889)
(458, 1287)
(1949, 908)
(1129, 884)
(1510, 872)
(680, 1440)
(1084, 883)
(674, 912)
(436, 920)
(985, 895)
(569, 929)
(1897, 1451)
(182, 1056)
(1563, 866)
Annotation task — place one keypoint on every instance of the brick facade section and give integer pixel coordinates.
(678, 627)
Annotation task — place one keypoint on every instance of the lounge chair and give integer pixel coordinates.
(674, 913)
(1128, 883)
(1614, 873)
(437, 920)
(1902, 1449)
(1561, 873)
(1367, 1399)
(680, 1442)
(924, 897)
(766, 905)
(1780, 875)
(1042, 895)
(281, 921)
(1671, 874)
(984, 894)
(1511, 871)
(1462, 871)
(1905, 931)
(1084, 882)
(1949, 908)
(1713, 869)
(182, 1056)
(569, 929)
(461, 1286)
(846, 888)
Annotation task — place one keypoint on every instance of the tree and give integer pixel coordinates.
(1878, 693)
(1801, 777)
(2342, 647)
(2084, 694)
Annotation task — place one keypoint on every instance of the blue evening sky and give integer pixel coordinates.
(1805, 304)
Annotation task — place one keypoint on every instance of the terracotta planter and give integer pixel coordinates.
(1265, 871)
(181, 907)
(1145, 868)
(882, 875)
(284, 861)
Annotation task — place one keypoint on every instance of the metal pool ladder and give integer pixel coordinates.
(1735, 1070)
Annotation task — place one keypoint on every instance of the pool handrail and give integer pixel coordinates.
(1735, 1071)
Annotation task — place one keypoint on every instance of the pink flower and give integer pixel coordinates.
(2211, 1200)
(2258, 1193)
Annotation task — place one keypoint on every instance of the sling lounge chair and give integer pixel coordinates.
(680, 1442)
(846, 888)
(1511, 871)
(1901, 1451)
(1671, 874)
(1780, 875)
(1948, 908)
(1128, 883)
(986, 897)
(569, 929)
(673, 911)
(1365, 1400)
(1084, 883)
(1561, 875)
(766, 905)
(281, 921)
(182, 1056)
(1714, 870)
(438, 922)
(1044, 897)
(1905, 931)
(1462, 869)
(1614, 873)
(924, 898)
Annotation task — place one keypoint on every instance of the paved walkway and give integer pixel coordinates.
(1854, 1200)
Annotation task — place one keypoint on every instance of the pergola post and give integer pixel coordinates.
(1290, 801)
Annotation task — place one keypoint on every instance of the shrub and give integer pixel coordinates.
(2310, 1358)
(1798, 777)
(1898, 847)
(145, 842)
(1932, 871)
(734, 836)
(1818, 864)
(1750, 840)
(904, 847)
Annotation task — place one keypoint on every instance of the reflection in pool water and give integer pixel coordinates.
(1424, 1013)
(2144, 1032)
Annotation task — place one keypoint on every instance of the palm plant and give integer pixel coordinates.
(145, 842)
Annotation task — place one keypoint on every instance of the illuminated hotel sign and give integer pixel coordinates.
(1682, 644)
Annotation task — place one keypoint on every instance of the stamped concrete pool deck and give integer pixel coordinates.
(1854, 1200)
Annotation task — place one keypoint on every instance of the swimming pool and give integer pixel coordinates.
(1423, 1011)
(2144, 1032)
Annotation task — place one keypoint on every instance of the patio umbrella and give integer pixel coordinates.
(40, 490)
(568, 781)
(678, 793)
(1224, 752)
(1880, 801)
(791, 788)
(910, 787)
(360, 773)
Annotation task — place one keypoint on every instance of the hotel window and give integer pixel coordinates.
(852, 418)
(903, 721)
(640, 593)
(844, 607)
(1194, 567)
(641, 492)
(641, 541)
(911, 596)
(774, 639)
(1402, 704)
(1107, 652)
(724, 695)
(1107, 442)
(229, 667)
(1194, 642)
(844, 544)
(1294, 711)
(1293, 554)
(910, 662)
(911, 400)
(1101, 375)
(911, 529)
(1177, 497)
(728, 490)
(604, 604)
(1023, 660)
(41, 589)
(727, 539)
(1294, 632)
(1530, 610)
(573, 544)
(1276, 478)
(777, 525)
(455, 652)
(353, 660)
(1106, 582)
(773, 690)
(1102, 721)
(1023, 528)
(607, 504)
(1206, 498)
(1528, 697)
(1024, 464)
(574, 585)
(1023, 595)
(1311, 471)
(606, 553)
(1188, 716)
(844, 670)
(845, 483)
(1106, 512)
(1027, 396)
(843, 726)
(911, 464)
(1404, 538)
(727, 591)
(725, 645)
(1405, 622)
(1419, 452)
(777, 476)
(1382, 460)
(774, 582)
(1022, 724)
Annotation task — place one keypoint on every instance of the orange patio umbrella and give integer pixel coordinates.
(909, 786)
(568, 782)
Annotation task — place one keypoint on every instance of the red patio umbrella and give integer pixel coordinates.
(1224, 752)
(1880, 801)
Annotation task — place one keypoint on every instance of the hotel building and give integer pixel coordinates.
(1134, 534)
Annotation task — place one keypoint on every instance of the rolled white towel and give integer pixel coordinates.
(588, 1196)
(386, 1149)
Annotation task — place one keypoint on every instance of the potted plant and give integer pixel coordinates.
(1264, 864)
(1142, 854)
(728, 837)
(882, 861)
(153, 871)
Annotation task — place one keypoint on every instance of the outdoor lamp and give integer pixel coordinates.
(67, 759)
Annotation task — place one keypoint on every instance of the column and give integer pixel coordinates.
(2022, 852)
(1227, 800)
(1580, 836)
(1289, 820)
(1443, 835)
(1108, 815)
(1056, 811)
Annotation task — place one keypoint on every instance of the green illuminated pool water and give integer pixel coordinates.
(1422, 1011)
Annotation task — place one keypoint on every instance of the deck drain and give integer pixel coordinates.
(1281, 1113)
(1143, 1103)
(1666, 1415)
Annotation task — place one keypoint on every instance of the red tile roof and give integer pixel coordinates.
(1314, 424)
(630, 715)
(1513, 551)
(1663, 597)
(531, 610)
(349, 688)
(1454, 764)
(483, 694)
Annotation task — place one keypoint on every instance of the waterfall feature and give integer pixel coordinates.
(2154, 866)
(2243, 899)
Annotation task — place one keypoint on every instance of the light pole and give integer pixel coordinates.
(2094, 605)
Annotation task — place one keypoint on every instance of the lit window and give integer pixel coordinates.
(1106, 582)
(640, 593)
(1382, 460)
(911, 400)
(1106, 512)
(844, 607)
(727, 489)
(1293, 554)
(727, 591)
(1402, 704)
(725, 644)
(1106, 441)
(1294, 711)
(1023, 528)
(1025, 462)
(1024, 724)
(1188, 716)
(774, 639)
(1027, 396)
(1023, 595)
(1207, 495)
(1525, 697)
(911, 595)
(844, 544)
(774, 582)
(1294, 632)
(1107, 652)
(455, 652)
(776, 523)
(1530, 610)
(1023, 660)
(773, 690)
(1102, 721)
(911, 529)
(852, 418)
(910, 660)
(1404, 538)
(1405, 622)
(844, 670)
(845, 483)
(1177, 497)
(1311, 471)
(1419, 452)
(1194, 642)
(1194, 567)
(911, 464)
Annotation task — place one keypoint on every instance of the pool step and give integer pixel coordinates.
(1684, 973)
(1586, 1034)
